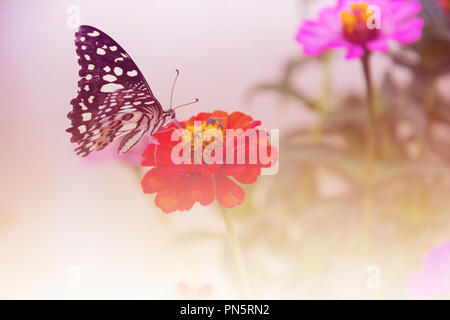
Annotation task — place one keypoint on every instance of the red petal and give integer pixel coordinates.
(167, 200)
(153, 181)
(202, 116)
(228, 193)
(238, 120)
(176, 195)
(186, 201)
(203, 190)
(249, 175)
(157, 179)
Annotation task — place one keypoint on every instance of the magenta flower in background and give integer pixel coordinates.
(434, 278)
(360, 25)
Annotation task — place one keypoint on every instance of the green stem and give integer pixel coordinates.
(322, 103)
(237, 252)
(371, 142)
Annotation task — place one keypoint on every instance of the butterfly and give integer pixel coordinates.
(114, 100)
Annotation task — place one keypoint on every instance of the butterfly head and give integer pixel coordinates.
(168, 118)
(169, 115)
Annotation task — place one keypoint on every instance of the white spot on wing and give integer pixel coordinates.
(107, 69)
(91, 67)
(113, 48)
(94, 34)
(118, 71)
(101, 52)
(132, 73)
(109, 78)
(111, 87)
(87, 116)
(82, 129)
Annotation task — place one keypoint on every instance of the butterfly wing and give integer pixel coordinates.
(113, 100)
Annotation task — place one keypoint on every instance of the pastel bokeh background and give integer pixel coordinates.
(72, 228)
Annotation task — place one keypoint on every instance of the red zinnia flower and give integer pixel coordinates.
(179, 186)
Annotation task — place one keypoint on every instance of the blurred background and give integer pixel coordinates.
(74, 228)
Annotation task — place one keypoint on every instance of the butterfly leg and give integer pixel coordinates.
(151, 140)
(154, 156)
(175, 122)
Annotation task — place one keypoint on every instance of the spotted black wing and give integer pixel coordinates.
(114, 99)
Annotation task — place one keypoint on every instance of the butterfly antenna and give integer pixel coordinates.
(173, 87)
(186, 104)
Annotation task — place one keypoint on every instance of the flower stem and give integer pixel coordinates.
(237, 252)
(371, 142)
(323, 102)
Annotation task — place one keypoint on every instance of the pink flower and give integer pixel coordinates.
(360, 25)
(434, 278)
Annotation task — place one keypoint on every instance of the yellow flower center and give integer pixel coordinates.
(355, 24)
(202, 136)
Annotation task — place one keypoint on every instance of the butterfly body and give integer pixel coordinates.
(114, 100)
